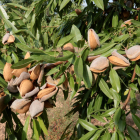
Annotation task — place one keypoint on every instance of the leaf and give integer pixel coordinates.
(114, 136)
(137, 70)
(63, 4)
(136, 120)
(41, 123)
(15, 57)
(87, 76)
(26, 48)
(121, 135)
(29, 11)
(36, 131)
(99, 3)
(84, 53)
(88, 135)
(64, 40)
(76, 33)
(87, 125)
(1, 65)
(99, 118)
(133, 86)
(53, 70)
(33, 21)
(3, 82)
(97, 134)
(115, 19)
(3, 13)
(78, 68)
(121, 38)
(62, 80)
(115, 95)
(9, 59)
(114, 80)
(117, 116)
(133, 133)
(17, 6)
(22, 63)
(71, 82)
(103, 49)
(106, 136)
(45, 38)
(25, 128)
(108, 112)
(105, 89)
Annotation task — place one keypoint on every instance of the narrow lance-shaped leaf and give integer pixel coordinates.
(63, 4)
(105, 89)
(136, 120)
(25, 128)
(99, 3)
(114, 80)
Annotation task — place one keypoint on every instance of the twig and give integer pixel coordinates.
(128, 97)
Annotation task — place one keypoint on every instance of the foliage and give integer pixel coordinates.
(47, 26)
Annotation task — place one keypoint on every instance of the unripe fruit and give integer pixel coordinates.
(17, 72)
(25, 87)
(35, 73)
(93, 39)
(99, 65)
(7, 72)
(68, 47)
(78, 12)
(26, 57)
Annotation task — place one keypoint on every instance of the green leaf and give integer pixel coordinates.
(136, 120)
(103, 49)
(3, 82)
(115, 19)
(121, 135)
(87, 125)
(76, 33)
(133, 86)
(84, 53)
(9, 60)
(87, 76)
(121, 38)
(78, 68)
(64, 40)
(29, 11)
(115, 95)
(52, 71)
(106, 136)
(81, 43)
(41, 123)
(137, 70)
(1, 65)
(63, 4)
(33, 21)
(71, 82)
(133, 133)
(45, 38)
(99, 3)
(114, 136)
(117, 116)
(3, 13)
(62, 80)
(99, 118)
(108, 112)
(88, 135)
(97, 135)
(17, 6)
(15, 57)
(105, 89)
(36, 131)
(26, 48)
(25, 129)
(22, 63)
(114, 80)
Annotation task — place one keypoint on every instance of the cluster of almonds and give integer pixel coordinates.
(34, 97)
(101, 63)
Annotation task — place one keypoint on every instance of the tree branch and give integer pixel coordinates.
(128, 97)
